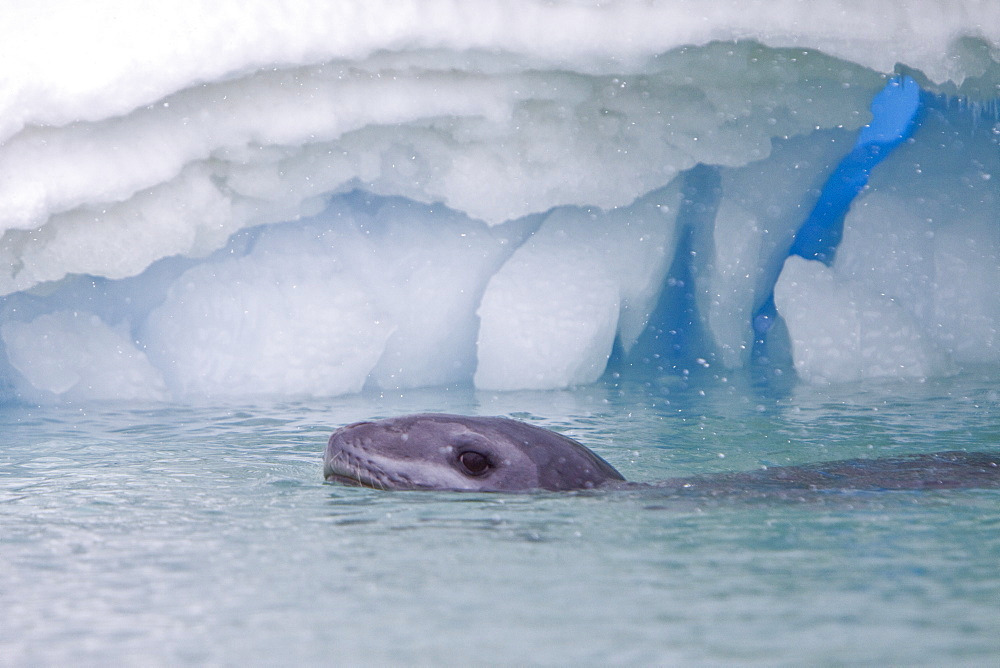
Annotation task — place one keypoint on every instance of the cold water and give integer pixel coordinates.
(204, 534)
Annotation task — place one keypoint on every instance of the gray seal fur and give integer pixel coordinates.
(436, 451)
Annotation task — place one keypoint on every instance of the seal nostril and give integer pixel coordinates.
(474, 463)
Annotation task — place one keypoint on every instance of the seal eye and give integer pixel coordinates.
(474, 463)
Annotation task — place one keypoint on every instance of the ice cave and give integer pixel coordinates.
(217, 199)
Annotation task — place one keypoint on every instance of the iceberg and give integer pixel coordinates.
(315, 198)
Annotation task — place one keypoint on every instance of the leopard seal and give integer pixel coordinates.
(437, 451)
(457, 452)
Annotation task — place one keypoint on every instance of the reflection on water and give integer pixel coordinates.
(204, 534)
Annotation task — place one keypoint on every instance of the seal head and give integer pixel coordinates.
(457, 452)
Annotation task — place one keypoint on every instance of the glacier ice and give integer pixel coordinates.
(377, 290)
(914, 277)
(549, 316)
(739, 255)
(924, 235)
(75, 355)
(843, 331)
(324, 197)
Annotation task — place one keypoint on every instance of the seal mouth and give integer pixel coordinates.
(348, 481)
(345, 469)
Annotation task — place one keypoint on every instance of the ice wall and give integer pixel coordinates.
(912, 291)
(312, 198)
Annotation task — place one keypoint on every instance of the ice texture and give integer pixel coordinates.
(740, 256)
(75, 355)
(549, 316)
(377, 290)
(841, 330)
(923, 243)
(314, 198)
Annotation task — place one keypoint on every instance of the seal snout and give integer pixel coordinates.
(344, 460)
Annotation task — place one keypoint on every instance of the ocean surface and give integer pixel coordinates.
(197, 534)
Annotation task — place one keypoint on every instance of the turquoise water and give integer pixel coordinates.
(189, 534)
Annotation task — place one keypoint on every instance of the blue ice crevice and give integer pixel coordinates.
(896, 111)
(894, 118)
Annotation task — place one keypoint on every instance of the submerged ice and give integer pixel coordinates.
(415, 197)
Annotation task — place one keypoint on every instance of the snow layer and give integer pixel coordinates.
(487, 192)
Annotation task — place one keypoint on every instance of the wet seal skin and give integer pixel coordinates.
(437, 451)
(455, 452)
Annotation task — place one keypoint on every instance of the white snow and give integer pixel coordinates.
(485, 192)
